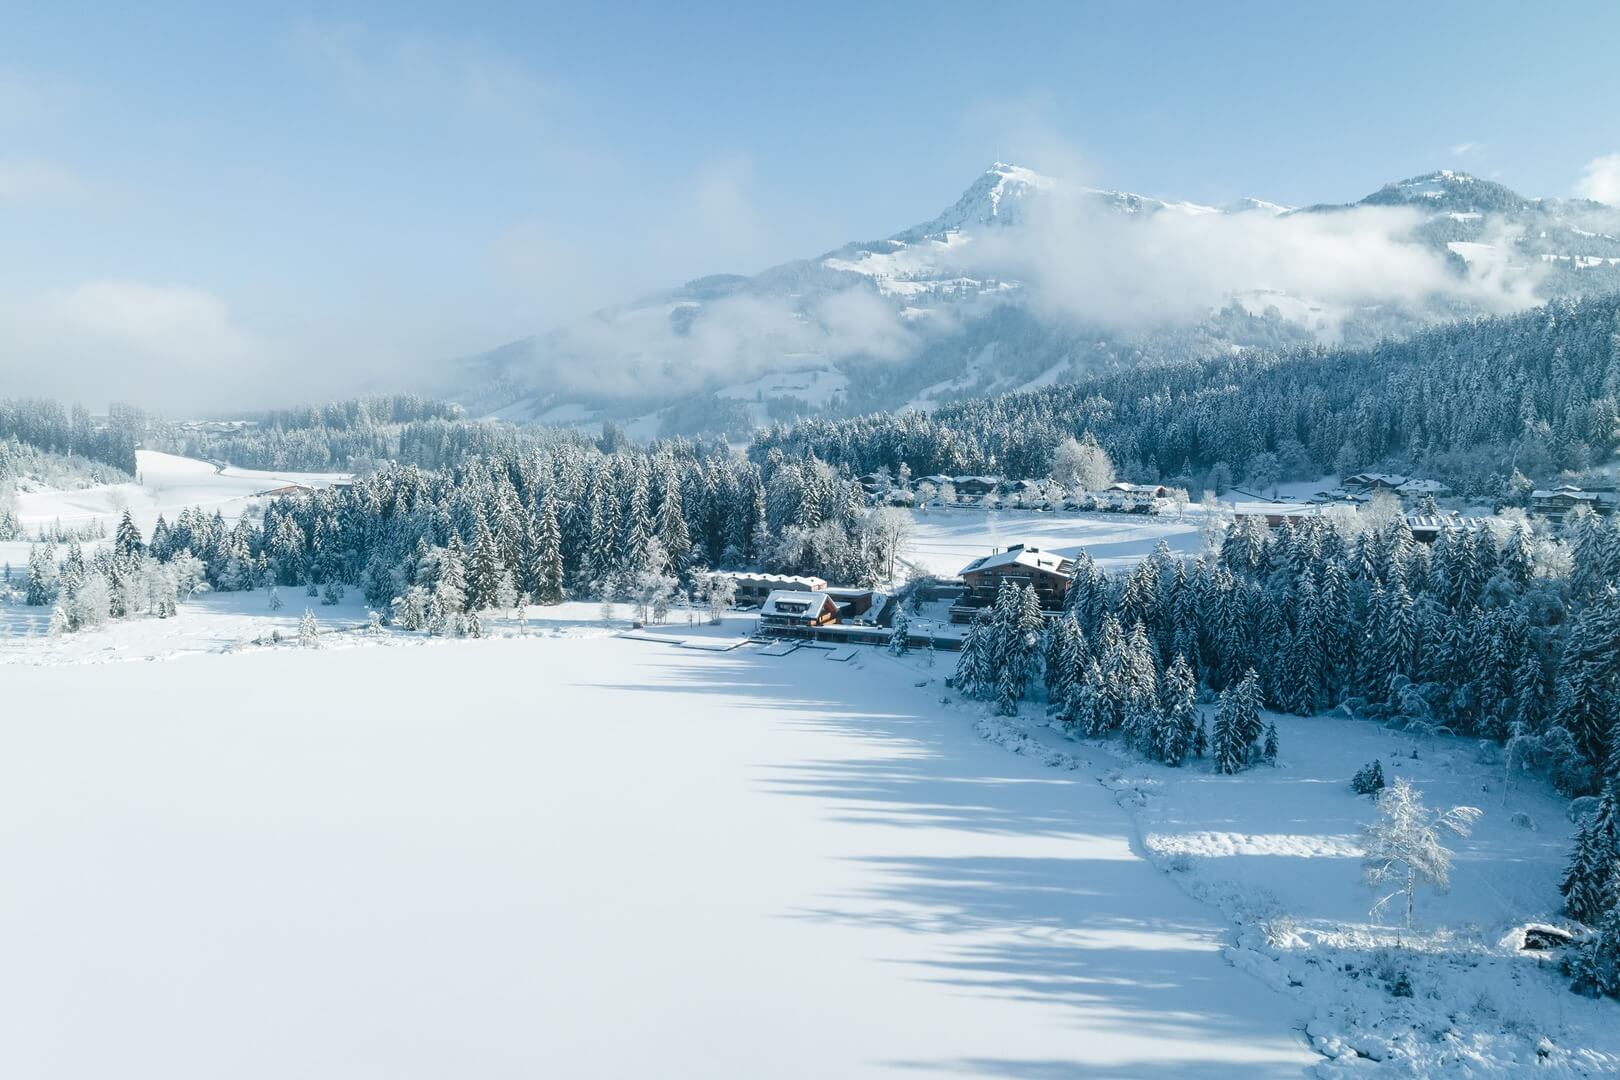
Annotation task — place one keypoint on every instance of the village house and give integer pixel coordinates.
(1416, 489)
(1019, 565)
(975, 487)
(1372, 483)
(756, 588)
(798, 608)
(1556, 503)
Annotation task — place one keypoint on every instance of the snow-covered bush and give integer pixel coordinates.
(1369, 780)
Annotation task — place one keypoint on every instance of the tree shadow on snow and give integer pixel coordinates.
(1096, 931)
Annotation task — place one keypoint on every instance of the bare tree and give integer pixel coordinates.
(891, 527)
(1403, 845)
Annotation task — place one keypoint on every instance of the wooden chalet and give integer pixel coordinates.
(1019, 565)
(796, 608)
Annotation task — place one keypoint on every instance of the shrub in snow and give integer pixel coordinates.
(332, 593)
(1403, 845)
(275, 599)
(374, 624)
(1370, 780)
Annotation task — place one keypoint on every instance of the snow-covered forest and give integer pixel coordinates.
(1486, 404)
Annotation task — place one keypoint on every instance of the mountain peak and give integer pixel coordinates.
(1448, 190)
(998, 197)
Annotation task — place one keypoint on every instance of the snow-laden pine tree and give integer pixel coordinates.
(1177, 729)
(1064, 647)
(41, 589)
(1403, 845)
(1593, 964)
(127, 542)
(548, 552)
(900, 633)
(975, 677)
(309, 631)
(1237, 724)
(1586, 881)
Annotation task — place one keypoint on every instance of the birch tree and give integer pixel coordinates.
(1403, 846)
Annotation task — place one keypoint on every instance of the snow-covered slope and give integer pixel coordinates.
(1048, 277)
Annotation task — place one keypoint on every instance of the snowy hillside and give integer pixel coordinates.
(164, 485)
(1052, 279)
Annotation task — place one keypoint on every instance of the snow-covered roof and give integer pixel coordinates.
(1447, 522)
(1378, 479)
(1423, 487)
(1569, 491)
(794, 604)
(1019, 555)
(810, 583)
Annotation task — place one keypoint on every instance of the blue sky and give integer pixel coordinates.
(366, 187)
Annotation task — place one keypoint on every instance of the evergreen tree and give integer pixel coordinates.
(975, 676)
(1597, 844)
(1176, 733)
(309, 631)
(548, 552)
(127, 543)
(900, 634)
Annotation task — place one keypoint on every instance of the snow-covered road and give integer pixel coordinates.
(573, 856)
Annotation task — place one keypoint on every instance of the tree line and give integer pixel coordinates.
(1484, 404)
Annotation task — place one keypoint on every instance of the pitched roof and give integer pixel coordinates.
(798, 604)
(1019, 555)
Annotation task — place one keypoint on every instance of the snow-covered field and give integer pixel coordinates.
(1276, 850)
(165, 484)
(945, 540)
(577, 855)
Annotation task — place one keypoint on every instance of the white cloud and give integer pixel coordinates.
(128, 340)
(1078, 258)
(1600, 180)
(1463, 149)
(667, 349)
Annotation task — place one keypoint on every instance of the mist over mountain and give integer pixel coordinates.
(1028, 280)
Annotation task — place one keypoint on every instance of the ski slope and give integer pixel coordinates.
(578, 855)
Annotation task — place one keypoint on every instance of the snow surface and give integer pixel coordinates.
(165, 484)
(1276, 850)
(576, 855)
(943, 540)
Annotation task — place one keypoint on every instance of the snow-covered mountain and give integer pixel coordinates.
(1026, 280)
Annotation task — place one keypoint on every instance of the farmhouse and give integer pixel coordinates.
(798, 608)
(1020, 565)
